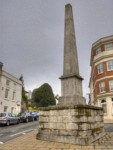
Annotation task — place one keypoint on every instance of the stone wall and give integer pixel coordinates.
(71, 124)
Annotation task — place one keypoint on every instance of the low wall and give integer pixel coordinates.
(81, 124)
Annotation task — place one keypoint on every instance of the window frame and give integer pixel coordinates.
(108, 46)
(100, 68)
(102, 88)
(104, 106)
(5, 108)
(13, 96)
(7, 82)
(98, 50)
(110, 65)
(111, 85)
(14, 86)
(6, 93)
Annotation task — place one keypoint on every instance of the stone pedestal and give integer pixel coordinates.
(79, 124)
(71, 90)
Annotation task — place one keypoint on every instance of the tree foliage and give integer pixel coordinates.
(43, 96)
(24, 97)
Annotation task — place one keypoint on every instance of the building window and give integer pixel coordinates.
(102, 87)
(100, 68)
(7, 82)
(14, 86)
(110, 65)
(5, 108)
(13, 97)
(111, 85)
(108, 46)
(104, 106)
(98, 50)
(6, 93)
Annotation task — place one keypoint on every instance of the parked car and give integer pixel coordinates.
(8, 118)
(35, 115)
(26, 117)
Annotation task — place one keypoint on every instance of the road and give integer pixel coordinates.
(108, 127)
(10, 132)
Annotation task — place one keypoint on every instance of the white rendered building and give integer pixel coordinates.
(10, 92)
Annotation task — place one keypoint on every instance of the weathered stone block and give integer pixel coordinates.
(68, 132)
(75, 113)
(46, 125)
(52, 119)
(65, 119)
(92, 125)
(95, 112)
(71, 126)
(52, 125)
(60, 126)
(70, 119)
(43, 119)
(54, 132)
(63, 112)
(41, 125)
(85, 133)
(97, 118)
(83, 119)
(53, 112)
(97, 124)
(59, 119)
(84, 126)
(92, 113)
(91, 119)
(44, 113)
(44, 131)
(84, 112)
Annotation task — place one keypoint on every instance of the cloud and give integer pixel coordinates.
(32, 37)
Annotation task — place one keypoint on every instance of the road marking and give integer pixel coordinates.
(1, 142)
(23, 132)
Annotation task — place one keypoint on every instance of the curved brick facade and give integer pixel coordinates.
(101, 80)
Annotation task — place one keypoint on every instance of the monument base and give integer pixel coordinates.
(76, 124)
(72, 100)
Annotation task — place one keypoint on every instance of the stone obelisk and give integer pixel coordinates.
(72, 121)
(71, 81)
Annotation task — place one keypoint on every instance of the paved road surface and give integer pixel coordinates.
(10, 132)
(108, 127)
(13, 131)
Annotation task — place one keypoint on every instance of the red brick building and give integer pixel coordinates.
(101, 80)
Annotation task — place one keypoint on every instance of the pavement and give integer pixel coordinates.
(108, 121)
(29, 142)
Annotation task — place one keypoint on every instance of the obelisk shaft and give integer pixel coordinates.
(70, 48)
(71, 81)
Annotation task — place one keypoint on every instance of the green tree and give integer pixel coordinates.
(24, 97)
(43, 96)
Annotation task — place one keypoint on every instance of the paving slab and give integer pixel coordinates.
(29, 142)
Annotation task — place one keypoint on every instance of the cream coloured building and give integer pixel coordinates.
(10, 92)
(101, 80)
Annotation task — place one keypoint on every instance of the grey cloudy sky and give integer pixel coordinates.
(32, 37)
